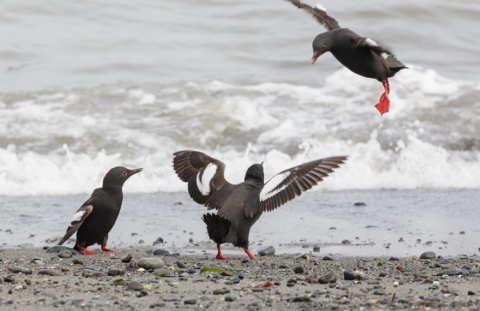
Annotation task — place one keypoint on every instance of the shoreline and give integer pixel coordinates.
(32, 279)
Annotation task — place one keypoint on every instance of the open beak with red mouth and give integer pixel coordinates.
(315, 56)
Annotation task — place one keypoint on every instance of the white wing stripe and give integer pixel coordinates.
(204, 183)
(268, 190)
(371, 42)
(77, 216)
(320, 7)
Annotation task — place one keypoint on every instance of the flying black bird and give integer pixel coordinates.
(96, 217)
(240, 206)
(361, 55)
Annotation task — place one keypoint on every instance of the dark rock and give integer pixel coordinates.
(234, 280)
(61, 248)
(283, 266)
(346, 242)
(134, 285)
(66, 254)
(267, 251)
(428, 255)
(92, 273)
(158, 241)
(127, 259)
(393, 259)
(161, 252)
(190, 301)
(9, 279)
(298, 269)
(379, 292)
(470, 293)
(49, 272)
(77, 261)
(20, 270)
(181, 265)
(142, 293)
(316, 248)
(327, 258)
(114, 272)
(219, 291)
(299, 299)
(330, 277)
(349, 276)
(359, 204)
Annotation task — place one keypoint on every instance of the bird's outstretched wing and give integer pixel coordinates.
(204, 175)
(320, 13)
(290, 183)
(78, 218)
(361, 42)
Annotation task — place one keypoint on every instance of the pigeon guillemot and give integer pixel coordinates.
(240, 206)
(361, 55)
(96, 217)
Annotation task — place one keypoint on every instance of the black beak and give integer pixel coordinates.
(135, 171)
(315, 56)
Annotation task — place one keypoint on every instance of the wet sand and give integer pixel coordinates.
(101, 282)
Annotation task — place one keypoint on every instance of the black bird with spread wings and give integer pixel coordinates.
(96, 217)
(361, 55)
(240, 206)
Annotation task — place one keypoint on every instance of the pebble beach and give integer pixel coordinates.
(141, 278)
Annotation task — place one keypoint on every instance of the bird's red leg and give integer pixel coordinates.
(219, 255)
(383, 105)
(250, 254)
(107, 250)
(86, 251)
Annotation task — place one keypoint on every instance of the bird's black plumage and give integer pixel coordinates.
(96, 217)
(359, 54)
(240, 206)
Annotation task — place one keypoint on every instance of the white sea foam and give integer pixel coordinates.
(64, 142)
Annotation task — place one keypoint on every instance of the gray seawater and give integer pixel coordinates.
(85, 86)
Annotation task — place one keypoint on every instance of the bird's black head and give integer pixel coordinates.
(255, 172)
(117, 176)
(323, 43)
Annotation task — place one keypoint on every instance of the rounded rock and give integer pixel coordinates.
(161, 252)
(134, 285)
(330, 277)
(266, 251)
(190, 301)
(150, 263)
(230, 297)
(428, 255)
(219, 291)
(298, 269)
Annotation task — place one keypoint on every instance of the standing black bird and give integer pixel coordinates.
(240, 206)
(361, 55)
(96, 217)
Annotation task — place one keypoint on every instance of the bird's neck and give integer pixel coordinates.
(113, 190)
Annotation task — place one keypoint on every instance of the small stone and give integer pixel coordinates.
(359, 204)
(298, 269)
(316, 248)
(395, 284)
(161, 252)
(372, 301)
(471, 293)
(77, 261)
(181, 265)
(61, 248)
(65, 269)
(20, 270)
(134, 285)
(190, 302)
(330, 277)
(219, 291)
(328, 258)
(267, 251)
(158, 241)
(348, 276)
(127, 258)
(114, 272)
(379, 292)
(428, 255)
(48, 272)
(230, 297)
(142, 293)
(64, 255)
(299, 299)
(462, 232)
(283, 266)
(150, 263)
(346, 242)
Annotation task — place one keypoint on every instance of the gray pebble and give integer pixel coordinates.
(114, 272)
(161, 252)
(20, 270)
(299, 299)
(134, 285)
(49, 272)
(65, 255)
(348, 276)
(379, 292)
(190, 301)
(428, 255)
(359, 204)
(470, 293)
(77, 261)
(267, 251)
(330, 277)
(230, 297)
(150, 263)
(327, 258)
(298, 269)
(316, 248)
(181, 265)
(219, 291)
(61, 248)
(127, 258)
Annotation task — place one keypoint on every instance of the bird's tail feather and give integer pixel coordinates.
(394, 62)
(217, 227)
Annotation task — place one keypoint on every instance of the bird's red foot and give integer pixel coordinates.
(265, 285)
(219, 255)
(250, 254)
(86, 251)
(383, 105)
(107, 250)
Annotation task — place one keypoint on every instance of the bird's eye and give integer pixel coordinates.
(124, 173)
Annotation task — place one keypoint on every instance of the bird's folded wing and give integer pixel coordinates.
(361, 42)
(77, 220)
(290, 183)
(319, 12)
(205, 177)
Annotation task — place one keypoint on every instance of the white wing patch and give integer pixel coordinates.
(208, 173)
(371, 42)
(78, 216)
(268, 190)
(320, 7)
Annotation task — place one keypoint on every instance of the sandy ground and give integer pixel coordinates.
(104, 282)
